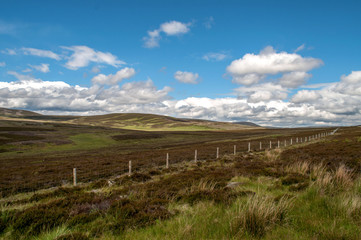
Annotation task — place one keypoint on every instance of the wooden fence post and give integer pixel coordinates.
(130, 168)
(217, 152)
(297, 140)
(74, 176)
(234, 149)
(285, 143)
(249, 146)
(260, 145)
(291, 141)
(270, 144)
(195, 155)
(278, 143)
(167, 161)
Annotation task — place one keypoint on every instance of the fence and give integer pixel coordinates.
(252, 146)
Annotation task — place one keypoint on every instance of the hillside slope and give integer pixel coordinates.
(154, 122)
(14, 113)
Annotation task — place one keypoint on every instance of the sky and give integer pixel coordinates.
(274, 63)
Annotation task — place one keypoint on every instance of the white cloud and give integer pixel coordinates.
(305, 96)
(111, 79)
(44, 67)
(2, 64)
(212, 56)
(56, 96)
(300, 48)
(294, 79)
(353, 78)
(251, 68)
(186, 77)
(40, 53)
(8, 51)
(172, 28)
(152, 40)
(262, 92)
(83, 55)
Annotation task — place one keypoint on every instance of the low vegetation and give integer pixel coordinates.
(305, 191)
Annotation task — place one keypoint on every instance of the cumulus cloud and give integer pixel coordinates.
(172, 28)
(294, 79)
(262, 92)
(212, 56)
(252, 68)
(339, 98)
(57, 96)
(83, 55)
(44, 67)
(111, 79)
(2, 64)
(40, 53)
(186, 77)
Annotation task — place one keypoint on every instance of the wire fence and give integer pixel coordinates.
(47, 173)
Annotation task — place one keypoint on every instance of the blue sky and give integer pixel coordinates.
(294, 63)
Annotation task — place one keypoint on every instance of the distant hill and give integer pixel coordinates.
(152, 122)
(248, 124)
(14, 113)
(134, 121)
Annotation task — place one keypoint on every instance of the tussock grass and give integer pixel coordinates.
(260, 214)
(272, 155)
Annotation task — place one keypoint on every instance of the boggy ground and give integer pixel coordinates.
(35, 155)
(297, 192)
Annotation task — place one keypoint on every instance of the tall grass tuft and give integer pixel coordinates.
(272, 155)
(260, 214)
(338, 180)
(298, 167)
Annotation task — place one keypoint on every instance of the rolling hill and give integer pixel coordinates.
(152, 122)
(133, 121)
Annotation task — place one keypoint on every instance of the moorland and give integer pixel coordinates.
(307, 189)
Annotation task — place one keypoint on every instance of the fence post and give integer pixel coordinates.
(285, 143)
(270, 144)
(130, 168)
(195, 155)
(278, 143)
(291, 141)
(167, 161)
(217, 152)
(234, 149)
(260, 145)
(249, 146)
(305, 139)
(74, 176)
(297, 140)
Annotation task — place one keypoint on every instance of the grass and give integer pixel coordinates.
(301, 192)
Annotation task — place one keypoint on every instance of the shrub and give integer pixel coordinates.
(35, 220)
